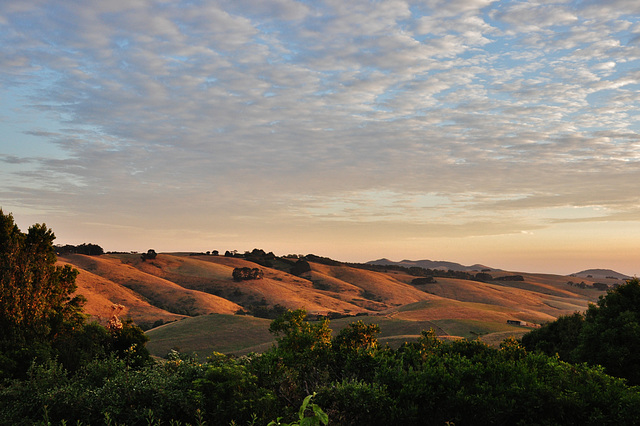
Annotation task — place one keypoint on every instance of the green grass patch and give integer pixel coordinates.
(389, 327)
(228, 334)
(240, 334)
(473, 329)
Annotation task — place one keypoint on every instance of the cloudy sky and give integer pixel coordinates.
(475, 131)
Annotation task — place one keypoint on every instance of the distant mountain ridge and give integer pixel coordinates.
(600, 274)
(432, 264)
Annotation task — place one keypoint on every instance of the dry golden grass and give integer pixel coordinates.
(530, 297)
(369, 289)
(157, 291)
(214, 273)
(102, 294)
(538, 299)
(174, 284)
(453, 309)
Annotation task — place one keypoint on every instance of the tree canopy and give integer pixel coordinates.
(608, 334)
(40, 317)
(35, 294)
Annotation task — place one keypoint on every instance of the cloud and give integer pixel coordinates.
(12, 159)
(525, 17)
(456, 7)
(285, 110)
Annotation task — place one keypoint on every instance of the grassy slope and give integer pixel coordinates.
(237, 334)
(172, 284)
(374, 291)
(102, 293)
(240, 334)
(213, 274)
(157, 291)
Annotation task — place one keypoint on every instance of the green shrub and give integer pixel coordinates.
(353, 402)
(229, 392)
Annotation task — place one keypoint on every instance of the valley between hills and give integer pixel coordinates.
(192, 302)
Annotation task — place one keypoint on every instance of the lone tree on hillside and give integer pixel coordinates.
(150, 254)
(300, 267)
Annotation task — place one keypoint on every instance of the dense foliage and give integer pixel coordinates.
(356, 382)
(35, 295)
(608, 334)
(40, 318)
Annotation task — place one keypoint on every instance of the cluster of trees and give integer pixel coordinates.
(88, 249)
(596, 286)
(207, 253)
(417, 271)
(581, 284)
(600, 286)
(294, 265)
(510, 278)
(262, 310)
(245, 273)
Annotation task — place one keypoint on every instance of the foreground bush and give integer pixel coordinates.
(218, 391)
(422, 383)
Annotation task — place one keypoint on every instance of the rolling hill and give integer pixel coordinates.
(601, 273)
(201, 308)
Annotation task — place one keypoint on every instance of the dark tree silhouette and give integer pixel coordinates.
(150, 254)
(244, 274)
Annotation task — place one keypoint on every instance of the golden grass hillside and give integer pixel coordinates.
(178, 286)
(102, 294)
(158, 292)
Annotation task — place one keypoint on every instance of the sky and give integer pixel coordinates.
(476, 131)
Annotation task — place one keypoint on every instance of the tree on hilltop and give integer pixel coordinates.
(150, 254)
